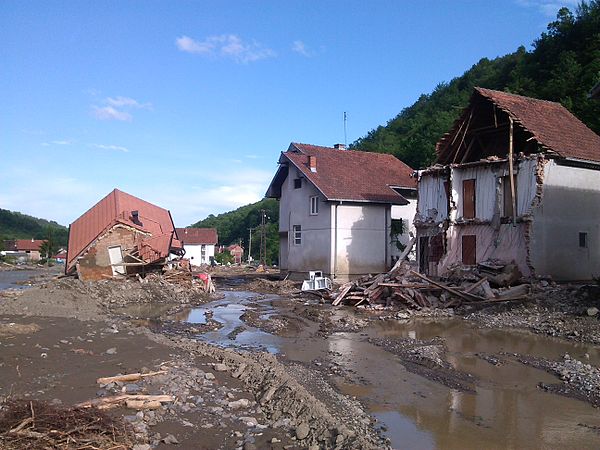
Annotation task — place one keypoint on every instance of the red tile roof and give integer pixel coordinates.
(197, 236)
(116, 207)
(550, 123)
(351, 175)
(23, 245)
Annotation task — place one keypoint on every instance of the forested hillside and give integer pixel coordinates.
(563, 66)
(234, 227)
(14, 225)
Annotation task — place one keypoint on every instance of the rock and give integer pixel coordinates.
(209, 376)
(275, 440)
(111, 351)
(249, 421)
(592, 311)
(238, 404)
(142, 447)
(132, 387)
(221, 368)
(170, 439)
(302, 431)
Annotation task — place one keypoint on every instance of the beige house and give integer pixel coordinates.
(338, 209)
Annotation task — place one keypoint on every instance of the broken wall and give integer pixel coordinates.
(95, 264)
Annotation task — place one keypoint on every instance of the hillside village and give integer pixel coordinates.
(372, 299)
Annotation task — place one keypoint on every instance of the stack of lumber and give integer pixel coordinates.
(415, 291)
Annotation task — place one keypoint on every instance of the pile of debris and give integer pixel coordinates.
(41, 425)
(406, 287)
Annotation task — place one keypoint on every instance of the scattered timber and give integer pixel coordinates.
(404, 286)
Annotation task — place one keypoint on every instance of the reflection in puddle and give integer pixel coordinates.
(506, 411)
(403, 432)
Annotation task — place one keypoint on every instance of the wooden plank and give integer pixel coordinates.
(475, 285)
(467, 297)
(345, 289)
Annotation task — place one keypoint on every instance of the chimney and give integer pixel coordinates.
(312, 163)
(339, 146)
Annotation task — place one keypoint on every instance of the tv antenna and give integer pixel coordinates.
(345, 133)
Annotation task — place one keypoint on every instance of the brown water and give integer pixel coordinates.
(507, 409)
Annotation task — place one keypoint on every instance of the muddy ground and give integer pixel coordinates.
(60, 336)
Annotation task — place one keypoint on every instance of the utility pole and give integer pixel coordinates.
(263, 236)
(250, 246)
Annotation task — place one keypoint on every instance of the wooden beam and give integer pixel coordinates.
(511, 172)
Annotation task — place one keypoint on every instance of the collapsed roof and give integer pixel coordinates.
(540, 126)
(120, 207)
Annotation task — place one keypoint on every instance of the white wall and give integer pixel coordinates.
(570, 205)
(194, 253)
(432, 203)
(493, 239)
(407, 214)
(294, 209)
(361, 240)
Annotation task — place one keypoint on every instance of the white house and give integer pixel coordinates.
(199, 244)
(337, 207)
(516, 179)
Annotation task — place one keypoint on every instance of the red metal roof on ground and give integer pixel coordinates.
(116, 207)
(551, 124)
(353, 175)
(198, 236)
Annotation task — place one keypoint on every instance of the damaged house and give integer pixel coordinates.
(344, 212)
(516, 179)
(120, 235)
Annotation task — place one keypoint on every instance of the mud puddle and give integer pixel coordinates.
(16, 279)
(504, 408)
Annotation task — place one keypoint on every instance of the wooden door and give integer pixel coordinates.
(469, 199)
(116, 256)
(469, 250)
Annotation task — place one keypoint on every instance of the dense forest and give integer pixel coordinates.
(234, 227)
(563, 66)
(14, 225)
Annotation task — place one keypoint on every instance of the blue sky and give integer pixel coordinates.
(187, 104)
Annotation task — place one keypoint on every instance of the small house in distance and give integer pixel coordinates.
(24, 249)
(120, 235)
(344, 212)
(237, 252)
(199, 244)
(516, 180)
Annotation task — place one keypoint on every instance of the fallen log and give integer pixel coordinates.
(118, 400)
(342, 294)
(128, 377)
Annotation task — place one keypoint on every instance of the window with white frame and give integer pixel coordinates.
(314, 205)
(297, 230)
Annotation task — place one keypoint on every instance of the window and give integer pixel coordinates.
(297, 230)
(506, 194)
(469, 199)
(314, 205)
(583, 240)
(297, 183)
(203, 253)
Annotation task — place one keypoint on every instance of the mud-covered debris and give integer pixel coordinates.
(39, 425)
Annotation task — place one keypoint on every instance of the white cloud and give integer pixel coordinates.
(110, 147)
(58, 142)
(110, 113)
(225, 46)
(548, 7)
(118, 108)
(300, 48)
(120, 102)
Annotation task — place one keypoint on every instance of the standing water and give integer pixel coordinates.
(506, 409)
